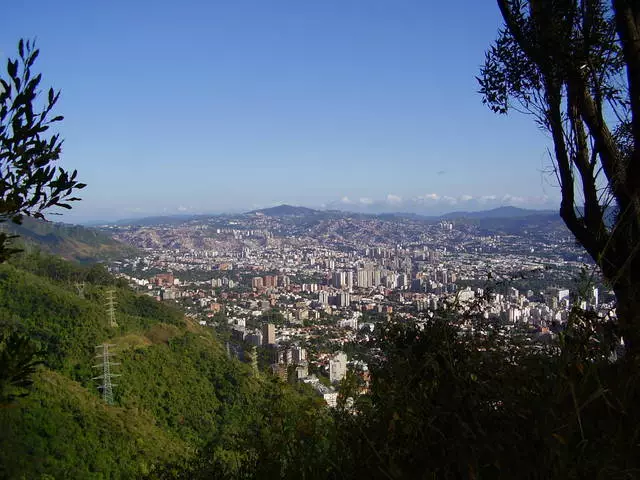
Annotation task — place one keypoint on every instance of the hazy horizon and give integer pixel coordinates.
(92, 221)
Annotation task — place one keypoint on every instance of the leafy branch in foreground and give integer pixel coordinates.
(30, 182)
(19, 357)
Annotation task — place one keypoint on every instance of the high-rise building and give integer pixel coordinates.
(364, 278)
(323, 297)
(254, 338)
(284, 355)
(268, 334)
(270, 281)
(299, 354)
(337, 367)
(390, 280)
(350, 280)
(344, 299)
(339, 279)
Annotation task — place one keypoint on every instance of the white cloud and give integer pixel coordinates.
(394, 199)
(435, 203)
(428, 196)
(511, 199)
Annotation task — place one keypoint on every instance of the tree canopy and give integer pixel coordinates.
(574, 65)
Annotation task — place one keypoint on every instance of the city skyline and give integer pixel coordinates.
(230, 107)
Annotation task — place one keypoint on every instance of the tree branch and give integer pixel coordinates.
(604, 142)
(627, 15)
(593, 213)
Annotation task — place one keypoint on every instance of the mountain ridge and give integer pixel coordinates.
(72, 242)
(499, 212)
(286, 210)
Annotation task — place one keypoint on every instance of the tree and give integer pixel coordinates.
(18, 362)
(575, 66)
(30, 182)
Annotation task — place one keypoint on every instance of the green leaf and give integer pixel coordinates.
(12, 68)
(33, 58)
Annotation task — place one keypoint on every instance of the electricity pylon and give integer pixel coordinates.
(111, 307)
(80, 288)
(106, 387)
(254, 360)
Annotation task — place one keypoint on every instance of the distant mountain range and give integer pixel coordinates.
(500, 212)
(292, 212)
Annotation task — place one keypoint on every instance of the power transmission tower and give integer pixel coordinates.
(106, 387)
(111, 307)
(254, 360)
(80, 288)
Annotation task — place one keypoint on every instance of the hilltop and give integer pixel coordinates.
(72, 242)
(285, 210)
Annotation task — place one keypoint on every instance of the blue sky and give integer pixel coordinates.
(231, 105)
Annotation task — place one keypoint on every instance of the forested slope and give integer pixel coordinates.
(178, 391)
(73, 242)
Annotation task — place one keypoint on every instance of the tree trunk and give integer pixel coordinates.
(623, 273)
(619, 262)
(628, 312)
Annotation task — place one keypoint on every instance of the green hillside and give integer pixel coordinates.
(178, 393)
(73, 242)
(440, 404)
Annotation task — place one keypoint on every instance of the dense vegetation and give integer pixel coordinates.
(445, 405)
(72, 242)
(178, 392)
(441, 404)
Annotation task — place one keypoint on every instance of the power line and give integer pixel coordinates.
(111, 307)
(107, 386)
